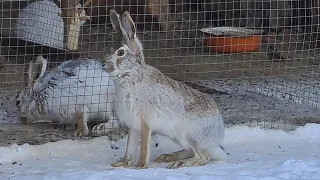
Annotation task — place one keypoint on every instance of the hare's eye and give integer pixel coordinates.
(120, 52)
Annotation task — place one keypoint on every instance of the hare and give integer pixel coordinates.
(77, 90)
(148, 101)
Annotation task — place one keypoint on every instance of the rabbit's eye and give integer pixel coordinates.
(120, 52)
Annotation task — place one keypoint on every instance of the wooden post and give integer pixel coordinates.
(74, 15)
(160, 9)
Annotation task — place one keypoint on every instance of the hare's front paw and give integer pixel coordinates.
(123, 162)
(141, 165)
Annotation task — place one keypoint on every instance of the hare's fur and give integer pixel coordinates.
(148, 101)
(76, 88)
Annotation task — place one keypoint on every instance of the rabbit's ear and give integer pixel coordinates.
(44, 64)
(120, 26)
(34, 71)
(115, 21)
(30, 74)
(128, 26)
(129, 35)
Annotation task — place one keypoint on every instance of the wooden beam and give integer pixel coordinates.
(161, 10)
(74, 15)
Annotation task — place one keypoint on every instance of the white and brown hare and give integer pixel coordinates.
(76, 91)
(148, 101)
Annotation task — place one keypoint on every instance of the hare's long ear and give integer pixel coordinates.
(33, 70)
(115, 21)
(44, 64)
(124, 26)
(30, 74)
(128, 26)
(129, 34)
(118, 26)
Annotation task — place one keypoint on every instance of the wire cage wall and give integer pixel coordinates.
(258, 58)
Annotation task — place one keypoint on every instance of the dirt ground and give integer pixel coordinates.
(182, 55)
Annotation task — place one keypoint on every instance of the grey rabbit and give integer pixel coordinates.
(148, 101)
(75, 91)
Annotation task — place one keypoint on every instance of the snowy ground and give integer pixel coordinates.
(254, 154)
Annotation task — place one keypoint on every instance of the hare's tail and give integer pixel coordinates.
(218, 153)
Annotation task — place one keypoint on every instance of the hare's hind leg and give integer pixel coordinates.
(82, 125)
(85, 125)
(79, 123)
(175, 156)
(200, 157)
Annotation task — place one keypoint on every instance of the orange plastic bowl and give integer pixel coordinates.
(232, 44)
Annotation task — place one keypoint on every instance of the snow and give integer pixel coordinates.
(254, 154)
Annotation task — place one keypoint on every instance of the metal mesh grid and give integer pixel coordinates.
(274, 86)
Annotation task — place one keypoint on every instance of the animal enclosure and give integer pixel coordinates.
(260, 59)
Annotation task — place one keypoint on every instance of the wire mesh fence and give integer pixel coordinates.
(258, 59)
